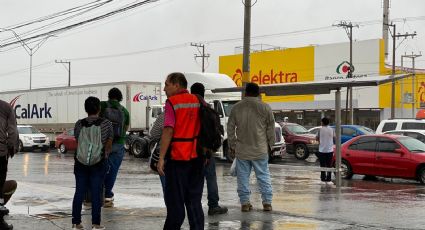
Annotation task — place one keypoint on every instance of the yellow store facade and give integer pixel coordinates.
(327, 63)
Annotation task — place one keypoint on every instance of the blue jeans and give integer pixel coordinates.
(261, 169)
(162, 179)
(114, 160)
(88, 178)
(212, 187)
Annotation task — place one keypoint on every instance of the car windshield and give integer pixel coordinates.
(412, 144)
(228, 105)
(27, 130)
(297, 129)
(366, 130)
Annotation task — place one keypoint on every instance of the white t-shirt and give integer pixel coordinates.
(326, 139)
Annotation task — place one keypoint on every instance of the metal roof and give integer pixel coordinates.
(318, 87)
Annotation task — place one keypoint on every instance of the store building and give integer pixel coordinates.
(326, 63)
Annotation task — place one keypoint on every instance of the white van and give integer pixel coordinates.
(30, 138)
(400, 124)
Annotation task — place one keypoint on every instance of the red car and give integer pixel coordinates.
(66, 141)
(384, 155)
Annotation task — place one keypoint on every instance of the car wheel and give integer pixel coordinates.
(44, 149)
(20, 146)
(301, 152)
(421, 175)
(62, 148)
(138, 147)
(346, 170)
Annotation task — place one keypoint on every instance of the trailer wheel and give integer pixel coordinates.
(138, 147)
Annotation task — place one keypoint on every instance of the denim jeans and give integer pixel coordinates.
(212, 187)
(325, 160)
(162, 179)
(88, 178)
(261, 169)
(114, 160)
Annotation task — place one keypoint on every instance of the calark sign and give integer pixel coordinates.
(139, 97)
(30, 111)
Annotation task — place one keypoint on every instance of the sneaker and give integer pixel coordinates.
(98, 227)
(3, 210)
(267, 207)
(217, 210)
(77, 227)
(246, 207)
(111, 199)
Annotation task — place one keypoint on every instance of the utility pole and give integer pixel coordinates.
(386, 14)
(413, 57)
(246, 43)
(348, 26)
(69, 69)
(394, 35)
(202, 54)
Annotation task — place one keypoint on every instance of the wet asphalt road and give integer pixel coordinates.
(46, 185)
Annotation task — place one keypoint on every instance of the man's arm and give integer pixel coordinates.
(167, 135)
(127, 119)
(231, 130)
(12, 132)
(271, 135)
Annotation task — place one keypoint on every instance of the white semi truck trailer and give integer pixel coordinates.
(53, 110)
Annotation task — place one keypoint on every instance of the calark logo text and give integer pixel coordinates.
(140, 97)
(30, 111)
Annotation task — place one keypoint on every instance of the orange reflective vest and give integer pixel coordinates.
(186, 127)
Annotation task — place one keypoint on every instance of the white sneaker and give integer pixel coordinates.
(98, 227)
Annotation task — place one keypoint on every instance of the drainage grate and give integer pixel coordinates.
(51, 216)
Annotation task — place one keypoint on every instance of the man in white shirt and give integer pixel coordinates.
(325, 136)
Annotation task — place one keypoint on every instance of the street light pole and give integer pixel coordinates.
(29, 50)
(246, 44)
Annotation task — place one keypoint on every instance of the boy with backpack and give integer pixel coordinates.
(120, 119)
(94, 136)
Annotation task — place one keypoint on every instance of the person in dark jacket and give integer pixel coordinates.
(210, 172)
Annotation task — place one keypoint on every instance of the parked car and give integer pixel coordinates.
(30, 138)
(298, 140)
(384, 155)
(66, 141)
(347, 131)
(400, 124)
(417, 134)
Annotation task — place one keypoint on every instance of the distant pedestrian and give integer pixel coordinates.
(156, 132)
(184, 168)
(210, 172)
(251, 136)
(326, 137)
(120, 118)
(94, 136)
(8, 148)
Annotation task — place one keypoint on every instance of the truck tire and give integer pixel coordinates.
(138, 147)
(301, 152)
(62, 148)
(226, 152)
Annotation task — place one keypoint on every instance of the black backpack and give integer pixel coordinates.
(116, 117)
(211, 133)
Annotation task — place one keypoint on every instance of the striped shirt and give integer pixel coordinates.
(105, 126)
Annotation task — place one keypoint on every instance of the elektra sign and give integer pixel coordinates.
(30, 111)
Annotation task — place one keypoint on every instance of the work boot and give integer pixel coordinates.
(77, 227)
(4, 225)
(217, 210)
(246, 207)
(267, 207)
(3, 210)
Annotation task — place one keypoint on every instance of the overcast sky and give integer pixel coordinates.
(176, 23)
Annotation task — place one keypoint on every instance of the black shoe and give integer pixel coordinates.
(217, 210)
(3, 210)
(4, 225)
